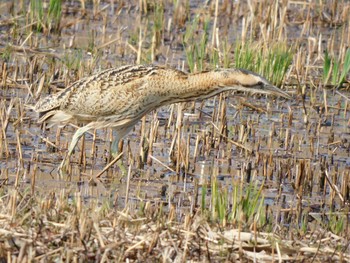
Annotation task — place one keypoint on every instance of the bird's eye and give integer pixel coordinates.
(260, 83)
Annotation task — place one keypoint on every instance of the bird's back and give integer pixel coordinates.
(103, 94)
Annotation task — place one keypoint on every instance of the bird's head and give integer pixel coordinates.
(248, 81)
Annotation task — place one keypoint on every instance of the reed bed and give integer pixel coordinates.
(61, 226)
(234, 177)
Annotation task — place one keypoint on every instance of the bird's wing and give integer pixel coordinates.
(101, 94)
(56, 100)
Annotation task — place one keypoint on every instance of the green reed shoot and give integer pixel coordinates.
(72, 60)
(333, 71)
(244, 56)
(214, 58)
(346, 67)
(236, 205)
(272, 62)
(337, 223)
(46, 19)
(158, 22)
(54, 14)
(37, 13)
(327, 67)
(196, 45)
(204, 191)
(248, 205)
(219, 202)
(226, 47)
(6, 53)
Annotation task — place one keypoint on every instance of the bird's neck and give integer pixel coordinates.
(201, 86)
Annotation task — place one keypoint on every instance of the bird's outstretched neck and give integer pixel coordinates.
(207, 84)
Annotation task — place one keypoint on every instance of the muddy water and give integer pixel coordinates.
(279, 140)
(284, 143)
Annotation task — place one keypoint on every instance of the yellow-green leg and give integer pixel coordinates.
(63, 168)
(119, 133)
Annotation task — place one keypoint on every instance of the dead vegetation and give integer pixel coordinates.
(231, 178)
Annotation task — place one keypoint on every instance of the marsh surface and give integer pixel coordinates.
(297, 150)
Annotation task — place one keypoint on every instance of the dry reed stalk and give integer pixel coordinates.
(46, 140)
(129, 157)
(270, 166)
(237, 144)
(187, 156)
(179, 133)
(13, 203)
(214, 116)
(173, 142)
(7, 113)
(251, 106)
(4, 74)
(152, 136)
(318, 137)
(334, 187)
(215, 24)
(345, 184)
(142, 141)
(223, 124)
(58, 136)
(3, 139)
(141, 39)
(33, 176)
(127, 191)
(93, 147)
(287, 139)
(82, 150)
(19, 150)
(109, 165)
(195, 153)
(325, 101)
(271, 136)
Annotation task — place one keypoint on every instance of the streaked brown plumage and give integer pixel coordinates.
(119, 97)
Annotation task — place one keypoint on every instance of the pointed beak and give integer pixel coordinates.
(273, 90)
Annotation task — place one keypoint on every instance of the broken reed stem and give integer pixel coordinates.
(109, 165)
(33, 177)
(333, 186)
(127, 191)
(5, 122)
(82, 151)
(239, 145)
(58, 136)
(93, 147)
(215, 23)
(142, 141)
(19, 148)
(325, 101)
(47, 141)
(178, 128)
(152, 136)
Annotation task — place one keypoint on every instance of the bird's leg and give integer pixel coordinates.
(114, 147)
(62, 169)
(119, 133)
(115, 152)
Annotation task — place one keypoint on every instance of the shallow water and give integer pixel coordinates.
(272, 161)
(283, 144)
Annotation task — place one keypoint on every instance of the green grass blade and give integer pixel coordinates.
(346, 68)
(326, 67)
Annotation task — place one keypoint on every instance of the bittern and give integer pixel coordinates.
(119, 97)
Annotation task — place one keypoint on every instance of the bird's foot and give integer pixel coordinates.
(63, 168)
(120, 164)
(122, 167)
